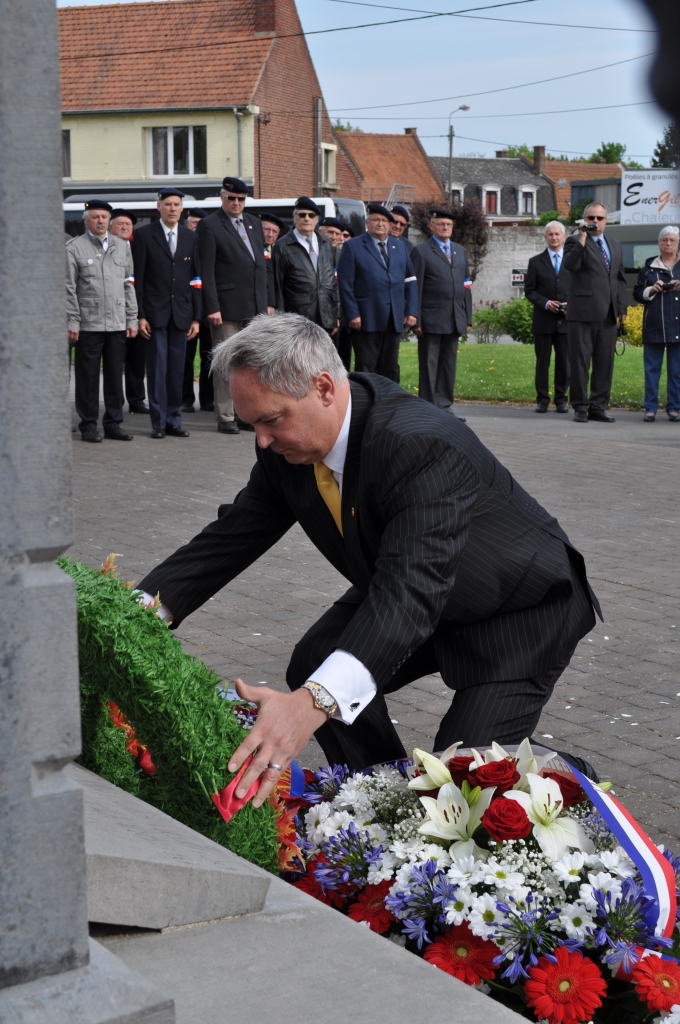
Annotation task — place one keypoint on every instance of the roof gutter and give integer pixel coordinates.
(243, 108)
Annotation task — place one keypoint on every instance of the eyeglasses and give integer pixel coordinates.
(595, 218)
(305, 213)
(236, 199)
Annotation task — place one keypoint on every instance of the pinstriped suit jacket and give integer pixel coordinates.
(439, 541)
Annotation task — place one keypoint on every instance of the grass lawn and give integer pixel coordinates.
(505, 373)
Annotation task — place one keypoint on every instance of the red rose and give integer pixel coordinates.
(458, 766)
(569, 787)
(501, 774)
(506, 819)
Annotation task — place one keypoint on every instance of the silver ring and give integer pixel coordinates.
(276, 767)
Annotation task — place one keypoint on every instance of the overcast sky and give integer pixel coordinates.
(443, 61)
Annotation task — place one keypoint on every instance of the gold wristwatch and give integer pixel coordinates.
(323, 700)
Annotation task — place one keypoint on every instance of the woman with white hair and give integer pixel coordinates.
(658, 288)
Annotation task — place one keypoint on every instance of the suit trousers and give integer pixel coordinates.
(205, 384)
(653, 360)
(343, 343)
(543, 346)
(134, 371)
(165, 351)
(224, 406)
(377, 352)
(505, 711)
(92, 349)
(437, 358)
(591, 343)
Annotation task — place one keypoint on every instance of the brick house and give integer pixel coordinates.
(510, 190)
(394, 168)
(575, 182)
(189, 91)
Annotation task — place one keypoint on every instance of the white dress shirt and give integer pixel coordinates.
(306, 243)
(552, 253)
(167, 231)
(104, 240)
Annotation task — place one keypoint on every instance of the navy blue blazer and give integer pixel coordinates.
(381, 297)
(163, 283)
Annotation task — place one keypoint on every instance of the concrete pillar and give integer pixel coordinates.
(49, 972)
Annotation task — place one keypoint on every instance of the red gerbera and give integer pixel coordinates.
(567, 992)
(657, 981)
(464, 955)
(310, 885)
(370, 907)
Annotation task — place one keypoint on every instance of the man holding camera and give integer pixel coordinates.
(547, 287)
(597, 301)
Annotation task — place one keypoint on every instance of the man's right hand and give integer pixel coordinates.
(144, 328)
(553, 306)
(355, 325)
(73, 336)
(214, 319)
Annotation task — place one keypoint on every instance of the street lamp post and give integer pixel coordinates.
(463, 106)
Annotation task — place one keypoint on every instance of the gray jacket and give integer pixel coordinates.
(100, 293)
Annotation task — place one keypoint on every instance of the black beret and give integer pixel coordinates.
(377, 208)
(124, 213)
(345, 227)
(98, 204)
(442, 215)
(235, 185)
(402, 211)
(305, 203)
(271, 218)
(165, 193)
(333, 222)
(196, 211)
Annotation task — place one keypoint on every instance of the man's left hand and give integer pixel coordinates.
(131, 332)
(285, 722)
(622, 318)
(409, 321)
(271, 310)
(193, 329)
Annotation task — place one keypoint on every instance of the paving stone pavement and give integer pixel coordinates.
(614, 488)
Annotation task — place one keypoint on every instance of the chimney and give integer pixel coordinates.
(265, 18)
(410, 131)
(539, 159)
(501, 154)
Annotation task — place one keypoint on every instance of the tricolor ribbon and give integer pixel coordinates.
(196, 282)
(467, 283)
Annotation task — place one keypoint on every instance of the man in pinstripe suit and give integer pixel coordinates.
(453, 566)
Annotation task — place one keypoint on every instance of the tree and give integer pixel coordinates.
(608, 153)
(521, 150)
(470, 227)
(667, 150)
(346, 127)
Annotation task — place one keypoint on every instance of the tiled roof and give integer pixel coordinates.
(194, 54)
(479, 171)
(387, 160)
(566, 171)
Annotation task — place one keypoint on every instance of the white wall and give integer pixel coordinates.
(509, 249)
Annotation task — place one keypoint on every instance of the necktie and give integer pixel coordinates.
(605, 254)
(241, 228)
(447, 252)
(313, 254)
(172, 242)
(329, 491)
(383, 253)
(556, 259)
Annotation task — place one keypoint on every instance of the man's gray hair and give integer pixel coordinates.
(555, 224)
(86, 215)
(670, 229)
(591, 205)
(286, 351)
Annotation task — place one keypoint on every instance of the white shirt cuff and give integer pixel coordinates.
(163, 612)
(647, 294)
(349, 681)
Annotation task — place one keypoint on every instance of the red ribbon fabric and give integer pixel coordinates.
(226, 802)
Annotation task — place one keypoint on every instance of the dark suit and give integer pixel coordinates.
(235, 283)
(166, 298)
(382, 296)
(541, 286)
(597, 296)
(453, 567)
(302, 289)
(445, 312)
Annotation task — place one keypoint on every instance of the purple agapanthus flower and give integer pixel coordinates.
(327, 782)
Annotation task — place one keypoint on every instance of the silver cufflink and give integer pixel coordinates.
(354, 705)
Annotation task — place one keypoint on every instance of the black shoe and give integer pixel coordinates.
(542, 407)
(228, 427)
(176, 431)
(242, 425)
(188, 408)
(561, 407)
(93, 436)
(157, 433)
(581, 765)
(140, 408)
(580, 417)
(600, 416)
(116, 434)
(210, 407)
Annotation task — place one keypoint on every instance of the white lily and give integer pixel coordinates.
(451, 817)
(554, 832)
(524, 758)
(433, 772)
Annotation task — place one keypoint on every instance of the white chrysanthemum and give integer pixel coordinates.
(616, 862)
(334, 822)
(378, 833)
(484, 919)
(576, 922)
(402, 876)
(602, 881)
(398, 940)
(669, 1018)
(457, 908)
(501, 876)
(430, 851)
(467, 871)
(383, 871)
(405, 851)
(315, 819)
(519, 894)
(568, 868)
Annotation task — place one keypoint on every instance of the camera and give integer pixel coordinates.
(667, 286)
(590, 228)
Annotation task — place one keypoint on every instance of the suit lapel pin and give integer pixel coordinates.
(352, 513)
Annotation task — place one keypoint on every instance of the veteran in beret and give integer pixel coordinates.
(304, 269)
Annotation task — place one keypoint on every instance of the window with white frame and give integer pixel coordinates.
(526, 201)
(177, 151)
(457, 194)
(491, 199)
(328, 153)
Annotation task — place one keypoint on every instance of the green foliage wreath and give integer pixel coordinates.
(129, 657)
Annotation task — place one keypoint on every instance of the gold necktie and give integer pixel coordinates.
(329, 491)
